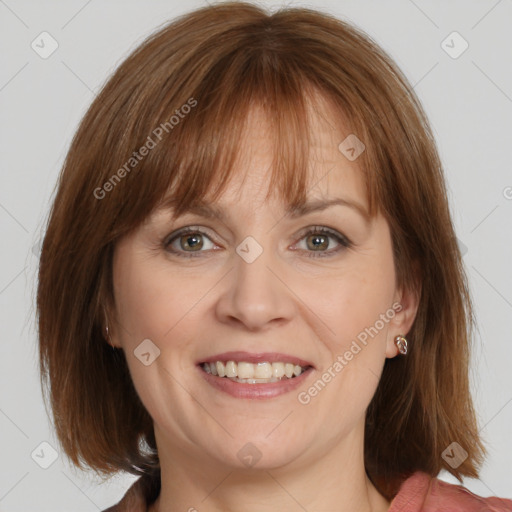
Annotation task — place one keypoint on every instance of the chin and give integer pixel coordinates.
(259, 451)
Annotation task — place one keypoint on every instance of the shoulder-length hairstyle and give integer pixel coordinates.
(171, 118)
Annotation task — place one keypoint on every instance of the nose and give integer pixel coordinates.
(256, 295)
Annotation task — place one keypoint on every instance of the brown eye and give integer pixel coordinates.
(193, 242)
(318, 240)
(186, 243)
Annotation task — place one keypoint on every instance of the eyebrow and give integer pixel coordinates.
(214, 212)
(322, 204)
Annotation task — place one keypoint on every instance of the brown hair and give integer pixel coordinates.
(222, 60)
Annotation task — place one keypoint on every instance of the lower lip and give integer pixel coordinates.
(254, 391)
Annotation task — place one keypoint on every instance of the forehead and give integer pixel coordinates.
(331, 177)
(286, 154)
(329, 171)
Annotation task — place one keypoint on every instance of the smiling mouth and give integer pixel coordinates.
(249, 373)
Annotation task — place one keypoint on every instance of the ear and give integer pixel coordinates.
(405, 305)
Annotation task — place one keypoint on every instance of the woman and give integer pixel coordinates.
(269, 308)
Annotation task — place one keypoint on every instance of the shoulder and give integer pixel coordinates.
(143, 492)
(133, 500)
(423, 493)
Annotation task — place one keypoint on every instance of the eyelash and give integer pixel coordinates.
(344, 242)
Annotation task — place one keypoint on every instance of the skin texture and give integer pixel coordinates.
(284, 301)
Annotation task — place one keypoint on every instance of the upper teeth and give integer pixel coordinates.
(244, 370)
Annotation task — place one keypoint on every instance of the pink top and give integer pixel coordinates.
(422, 493)
(419, 493)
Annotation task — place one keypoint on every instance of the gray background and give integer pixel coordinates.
(468, 100)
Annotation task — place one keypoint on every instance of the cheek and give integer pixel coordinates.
(356, 306)
(355, 346)
(153, 304)
(355, 298)
(150, 300)
(157, 304)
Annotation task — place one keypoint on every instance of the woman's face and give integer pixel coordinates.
(269, 287)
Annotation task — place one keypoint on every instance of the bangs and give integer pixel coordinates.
(194, 159)
(213, 140)
(206, 154)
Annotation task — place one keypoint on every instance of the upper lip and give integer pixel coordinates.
(260, 357)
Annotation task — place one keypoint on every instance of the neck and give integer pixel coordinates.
(336, 481)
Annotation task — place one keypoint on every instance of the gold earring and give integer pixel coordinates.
(108, 337)
(401, 344)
